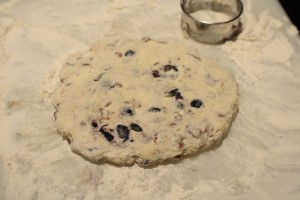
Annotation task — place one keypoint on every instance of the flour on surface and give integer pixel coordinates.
(260, 155)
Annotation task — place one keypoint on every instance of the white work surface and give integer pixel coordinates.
(260, 159)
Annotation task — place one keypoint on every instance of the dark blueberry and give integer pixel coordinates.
(154, 109)
(106, 134)
(175, 93)
(129, 53)
(136, 127)
(123, 132)
(169, 68)
(196, 103)
(155, 73)
(94, 124)
(127, 111)
(178, 96)
(130, 112)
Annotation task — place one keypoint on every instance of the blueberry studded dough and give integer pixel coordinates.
(143, 101)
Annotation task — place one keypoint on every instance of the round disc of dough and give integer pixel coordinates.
(143, 101)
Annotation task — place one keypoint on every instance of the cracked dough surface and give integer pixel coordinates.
(143, 101)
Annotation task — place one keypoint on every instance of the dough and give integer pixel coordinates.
(143, 101)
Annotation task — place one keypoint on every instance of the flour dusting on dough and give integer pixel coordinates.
(258, 160)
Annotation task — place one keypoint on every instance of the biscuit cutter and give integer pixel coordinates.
(208, 31)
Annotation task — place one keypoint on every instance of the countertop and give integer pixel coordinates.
(260, 158)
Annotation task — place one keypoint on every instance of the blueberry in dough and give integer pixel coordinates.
(196, 103)
(155, 73)
(154, 109)
(136, 127)
(127, 111)
(109, 137)
(123, 132)
(129, 53)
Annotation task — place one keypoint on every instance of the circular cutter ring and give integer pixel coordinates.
(210, 31)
